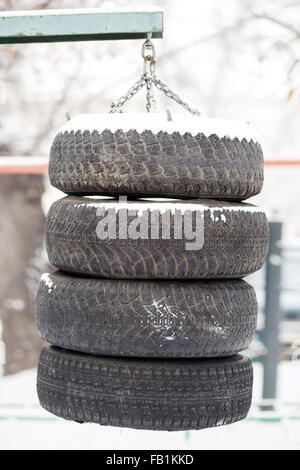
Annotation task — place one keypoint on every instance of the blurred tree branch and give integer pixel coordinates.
(241, 32)
(42, 5)
(277, 21)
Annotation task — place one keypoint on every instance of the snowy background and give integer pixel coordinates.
(234, 60)
(238, 59)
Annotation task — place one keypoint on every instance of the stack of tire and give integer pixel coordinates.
(145, 332)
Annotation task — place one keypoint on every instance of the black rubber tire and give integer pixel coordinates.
(144, 164)
(146, 318)
(145, 394)
(235, 242)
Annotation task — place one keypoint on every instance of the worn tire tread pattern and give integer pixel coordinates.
(168, 165)
(232, 249)
(146, 394)
(146, 318)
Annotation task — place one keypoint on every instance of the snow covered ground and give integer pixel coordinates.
(25, 425)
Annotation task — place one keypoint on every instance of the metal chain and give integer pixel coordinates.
(149, 79)
(170, 94)
(116, 106)
(150, 99)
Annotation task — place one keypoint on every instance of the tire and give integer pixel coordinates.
(236, 238)
(92, 155)
(146, 318)
(144, 394)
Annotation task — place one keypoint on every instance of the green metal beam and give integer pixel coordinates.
(78, 25)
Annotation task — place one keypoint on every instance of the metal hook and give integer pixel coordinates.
(149, 55)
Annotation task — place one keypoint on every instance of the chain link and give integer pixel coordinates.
(149, 79)
(170, 94)
(150, 99)
(116, 106)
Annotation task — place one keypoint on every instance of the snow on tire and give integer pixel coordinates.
(146, 155)
(231, 243)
